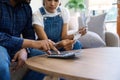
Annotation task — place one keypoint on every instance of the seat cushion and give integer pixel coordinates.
(92, 40)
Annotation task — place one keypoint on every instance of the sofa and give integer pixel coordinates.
(97, 36)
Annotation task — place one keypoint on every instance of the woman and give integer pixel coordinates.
(51, 22)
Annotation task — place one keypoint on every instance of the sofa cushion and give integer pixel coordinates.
(96, 24)
(92, 40)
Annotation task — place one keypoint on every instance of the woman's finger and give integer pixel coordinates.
(54, 48)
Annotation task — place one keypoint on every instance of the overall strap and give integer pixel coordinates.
(58, 9)
(42, 11)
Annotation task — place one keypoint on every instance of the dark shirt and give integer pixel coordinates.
(15, 21)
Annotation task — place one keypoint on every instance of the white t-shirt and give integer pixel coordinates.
(38, 17)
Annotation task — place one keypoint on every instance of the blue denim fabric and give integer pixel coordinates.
(35, 52)
(32, 75)
(13, 22)
(4, 64)
(53, 28)
(77, 45)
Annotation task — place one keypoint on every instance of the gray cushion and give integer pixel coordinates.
(96, 24)
(92, 40)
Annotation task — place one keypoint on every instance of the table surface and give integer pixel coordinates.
(90, 64)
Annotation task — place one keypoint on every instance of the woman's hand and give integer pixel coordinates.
(83, 31)
(66, 44)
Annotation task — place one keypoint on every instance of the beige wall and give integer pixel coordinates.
(35, 4)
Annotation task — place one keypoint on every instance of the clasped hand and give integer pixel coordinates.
(66, 44)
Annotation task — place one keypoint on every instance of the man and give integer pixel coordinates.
(16, 20)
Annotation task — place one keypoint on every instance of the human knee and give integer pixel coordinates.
(4, 57)
(4, 60)
(35, 52)
(77, 45)
(4, 68)
(4, 72)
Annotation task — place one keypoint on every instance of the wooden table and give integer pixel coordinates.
(91, 64)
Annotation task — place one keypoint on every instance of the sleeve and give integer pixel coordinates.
(0, 13)
(65, 15)
(10, 42)
(0, 10)
(38, 18)
(28, 31)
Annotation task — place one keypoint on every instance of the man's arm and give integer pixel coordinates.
(11, 42)
(28, 31)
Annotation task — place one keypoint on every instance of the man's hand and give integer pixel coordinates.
(45, 45)
(66, 44)
(20, 57)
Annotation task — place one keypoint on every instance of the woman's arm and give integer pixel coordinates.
(82, 31)
(40, 32)
(64, 33)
